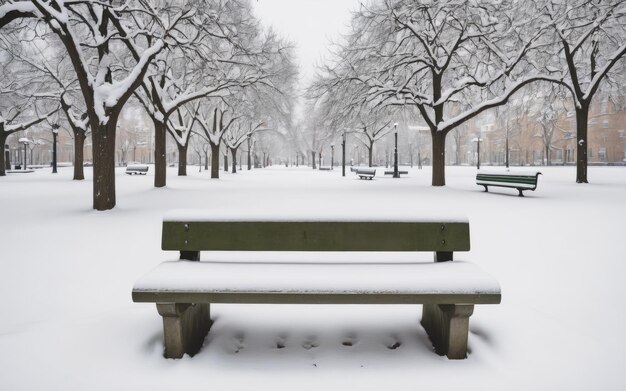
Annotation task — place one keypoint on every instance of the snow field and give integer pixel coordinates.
(66, 273)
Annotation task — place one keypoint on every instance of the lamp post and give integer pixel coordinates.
(55, 133)
(7, 157)
(411, 153)
(249, 166)
(24, 141)
(343, 154)
(396, 174)
(332, 156)
(477, 140)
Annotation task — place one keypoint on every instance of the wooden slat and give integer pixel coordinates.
(315, 236)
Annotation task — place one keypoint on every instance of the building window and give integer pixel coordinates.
(603, 106)
(602, 153)
(605, 124)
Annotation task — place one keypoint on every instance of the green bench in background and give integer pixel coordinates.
(517, 180)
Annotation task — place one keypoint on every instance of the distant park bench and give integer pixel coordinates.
(364, 172)
(399, 172)
(139, 169)
(517, 180)
(325, 168)
(183, 289)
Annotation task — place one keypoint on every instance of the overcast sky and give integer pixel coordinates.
(310, 24)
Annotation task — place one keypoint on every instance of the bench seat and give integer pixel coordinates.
(399, 172)
(318, 283)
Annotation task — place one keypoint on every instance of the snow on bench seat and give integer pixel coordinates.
(236, 282)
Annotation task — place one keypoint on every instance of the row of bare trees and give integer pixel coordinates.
(449, 61)
(189, 63)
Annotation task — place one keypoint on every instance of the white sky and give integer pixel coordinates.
(310, 24)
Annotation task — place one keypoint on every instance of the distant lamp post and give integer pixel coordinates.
(7, 157)
(24, 141)
(55, 133)
(396, 174)
(343, 154)
(332, 156)
(477, 140)
(411, 153)
(249, 137)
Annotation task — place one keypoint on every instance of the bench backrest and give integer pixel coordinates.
(136, 168)
(326, 235)
(513, 179)
(366, 170)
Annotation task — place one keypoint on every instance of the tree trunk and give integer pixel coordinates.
(79, 143)
(103, 139)
(439, 138)
(226, 160)
(313, 159)
(439, 161)
(233, 152)
(206, 160)
(182, 160)
(160, 163)
(215, 161)
(370, 151)
(3, 161)
(582, 115)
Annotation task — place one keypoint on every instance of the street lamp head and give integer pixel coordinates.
(395, 124)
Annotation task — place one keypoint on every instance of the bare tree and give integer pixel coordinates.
(214, 124)
(94, 35)
(590, 39)
(181, 129)
(433, 55)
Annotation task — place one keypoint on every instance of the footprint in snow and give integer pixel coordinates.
(310, 343)
(350, 340)
(239, 342)
(281, 341)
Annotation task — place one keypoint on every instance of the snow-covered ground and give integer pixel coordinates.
(66, 272)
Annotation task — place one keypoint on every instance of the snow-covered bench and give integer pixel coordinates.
(184, 288)
(520, 180)
(140, 169)
(364, 172)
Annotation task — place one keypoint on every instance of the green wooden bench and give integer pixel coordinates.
(183, 289)
(517, 180)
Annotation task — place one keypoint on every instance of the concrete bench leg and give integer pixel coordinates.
(184, 327)
(447, 326)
